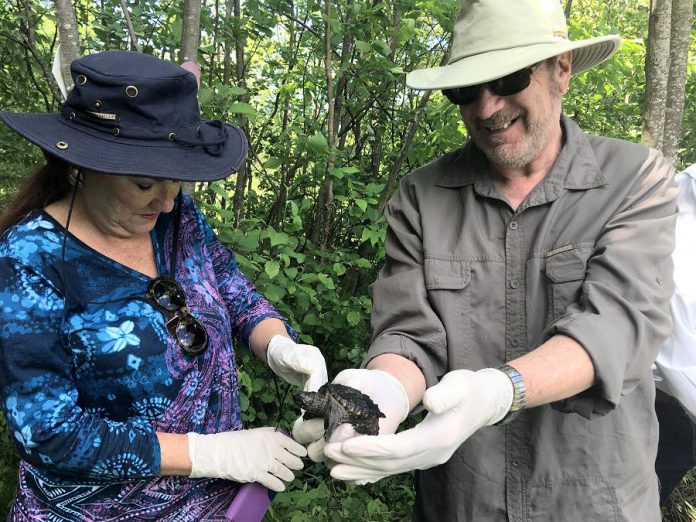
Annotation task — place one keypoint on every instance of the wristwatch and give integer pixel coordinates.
(519, 394)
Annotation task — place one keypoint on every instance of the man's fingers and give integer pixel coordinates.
(316, 450)
(356, 474)
(306, 431)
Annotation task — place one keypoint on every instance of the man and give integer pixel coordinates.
(526, 285)
(675, 372)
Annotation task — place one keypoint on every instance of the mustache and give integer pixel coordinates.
(499, 118)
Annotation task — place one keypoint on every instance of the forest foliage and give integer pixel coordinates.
(381, 130)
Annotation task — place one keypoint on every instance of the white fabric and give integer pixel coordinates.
(461, 403)
(299, 364)
(384, 389)
(675, 371)
(261, 455)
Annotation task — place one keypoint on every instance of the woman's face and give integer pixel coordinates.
(126, 206)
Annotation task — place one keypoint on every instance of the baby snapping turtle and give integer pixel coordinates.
(337, 404)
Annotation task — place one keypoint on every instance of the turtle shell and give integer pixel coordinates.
(338, 404)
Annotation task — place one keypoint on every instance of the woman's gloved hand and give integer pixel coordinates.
(299, 364)
(461, 403)
(256, 455)
(384, 389)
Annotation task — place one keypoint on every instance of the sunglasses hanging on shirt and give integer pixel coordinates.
(189, 333)
(505, 86)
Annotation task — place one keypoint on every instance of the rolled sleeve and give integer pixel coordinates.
(622, 316)
(403, 322)
(247, 307)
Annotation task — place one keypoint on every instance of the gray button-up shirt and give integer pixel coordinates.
(470, 283)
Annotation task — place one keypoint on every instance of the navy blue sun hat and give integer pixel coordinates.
(130, 113)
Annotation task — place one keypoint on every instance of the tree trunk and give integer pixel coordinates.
(656, 73)
(131, 30)
(243, 174)
(323, 209)
(682, 13)
(190, 31)
(227, 60)
(568, 8)
(69, 38)
(405, 146)
(190, 40)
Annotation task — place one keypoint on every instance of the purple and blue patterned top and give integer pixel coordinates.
(86, 386)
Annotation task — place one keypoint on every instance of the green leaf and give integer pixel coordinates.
(311, 319)
(363, 47)
(326, 281)
(205, 95)
(277, 238)
(272, 268)
(339, 269)
(317, 144)
(354, 318)
(274, 293)
(272, 163)
(241, 108)
(340, 172)
(362, 204)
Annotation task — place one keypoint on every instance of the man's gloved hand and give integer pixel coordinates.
(384, 389)
(299, 364)
(257, 455)
(461, 403)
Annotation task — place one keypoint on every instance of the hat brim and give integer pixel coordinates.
(94, 150)
(485, 67)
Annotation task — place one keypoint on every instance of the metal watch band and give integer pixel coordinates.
(519, 394)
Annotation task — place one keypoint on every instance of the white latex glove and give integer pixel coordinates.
(299, 364)
(383, 388)
(461, 403)
(256, 455)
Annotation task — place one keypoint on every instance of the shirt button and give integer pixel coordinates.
(514, 342)
(513, 225)
(515, 283)
(515, 463)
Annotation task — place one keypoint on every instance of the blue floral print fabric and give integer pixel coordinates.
(89, 373)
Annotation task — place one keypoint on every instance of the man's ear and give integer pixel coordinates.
(563, 70)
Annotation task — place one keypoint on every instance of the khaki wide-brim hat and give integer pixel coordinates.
(494, 38)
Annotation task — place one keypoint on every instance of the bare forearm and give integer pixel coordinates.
(174, 454)
(558, 369)
(405, 371)
(263, 333)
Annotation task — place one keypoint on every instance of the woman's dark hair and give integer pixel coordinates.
(47, 184)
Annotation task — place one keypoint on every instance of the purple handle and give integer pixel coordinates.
(251, 501)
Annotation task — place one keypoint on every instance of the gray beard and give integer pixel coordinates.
(538, 134)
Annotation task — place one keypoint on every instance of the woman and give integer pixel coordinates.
(117, 364)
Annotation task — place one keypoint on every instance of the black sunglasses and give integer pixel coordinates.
(505, 86)
(189, 333)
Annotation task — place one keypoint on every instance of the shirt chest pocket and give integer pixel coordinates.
(565, 272)
(449, 294)
(442, 274)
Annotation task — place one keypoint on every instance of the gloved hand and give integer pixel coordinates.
(461, 403)
(384, 389)
(256, 455)
(299, 364)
